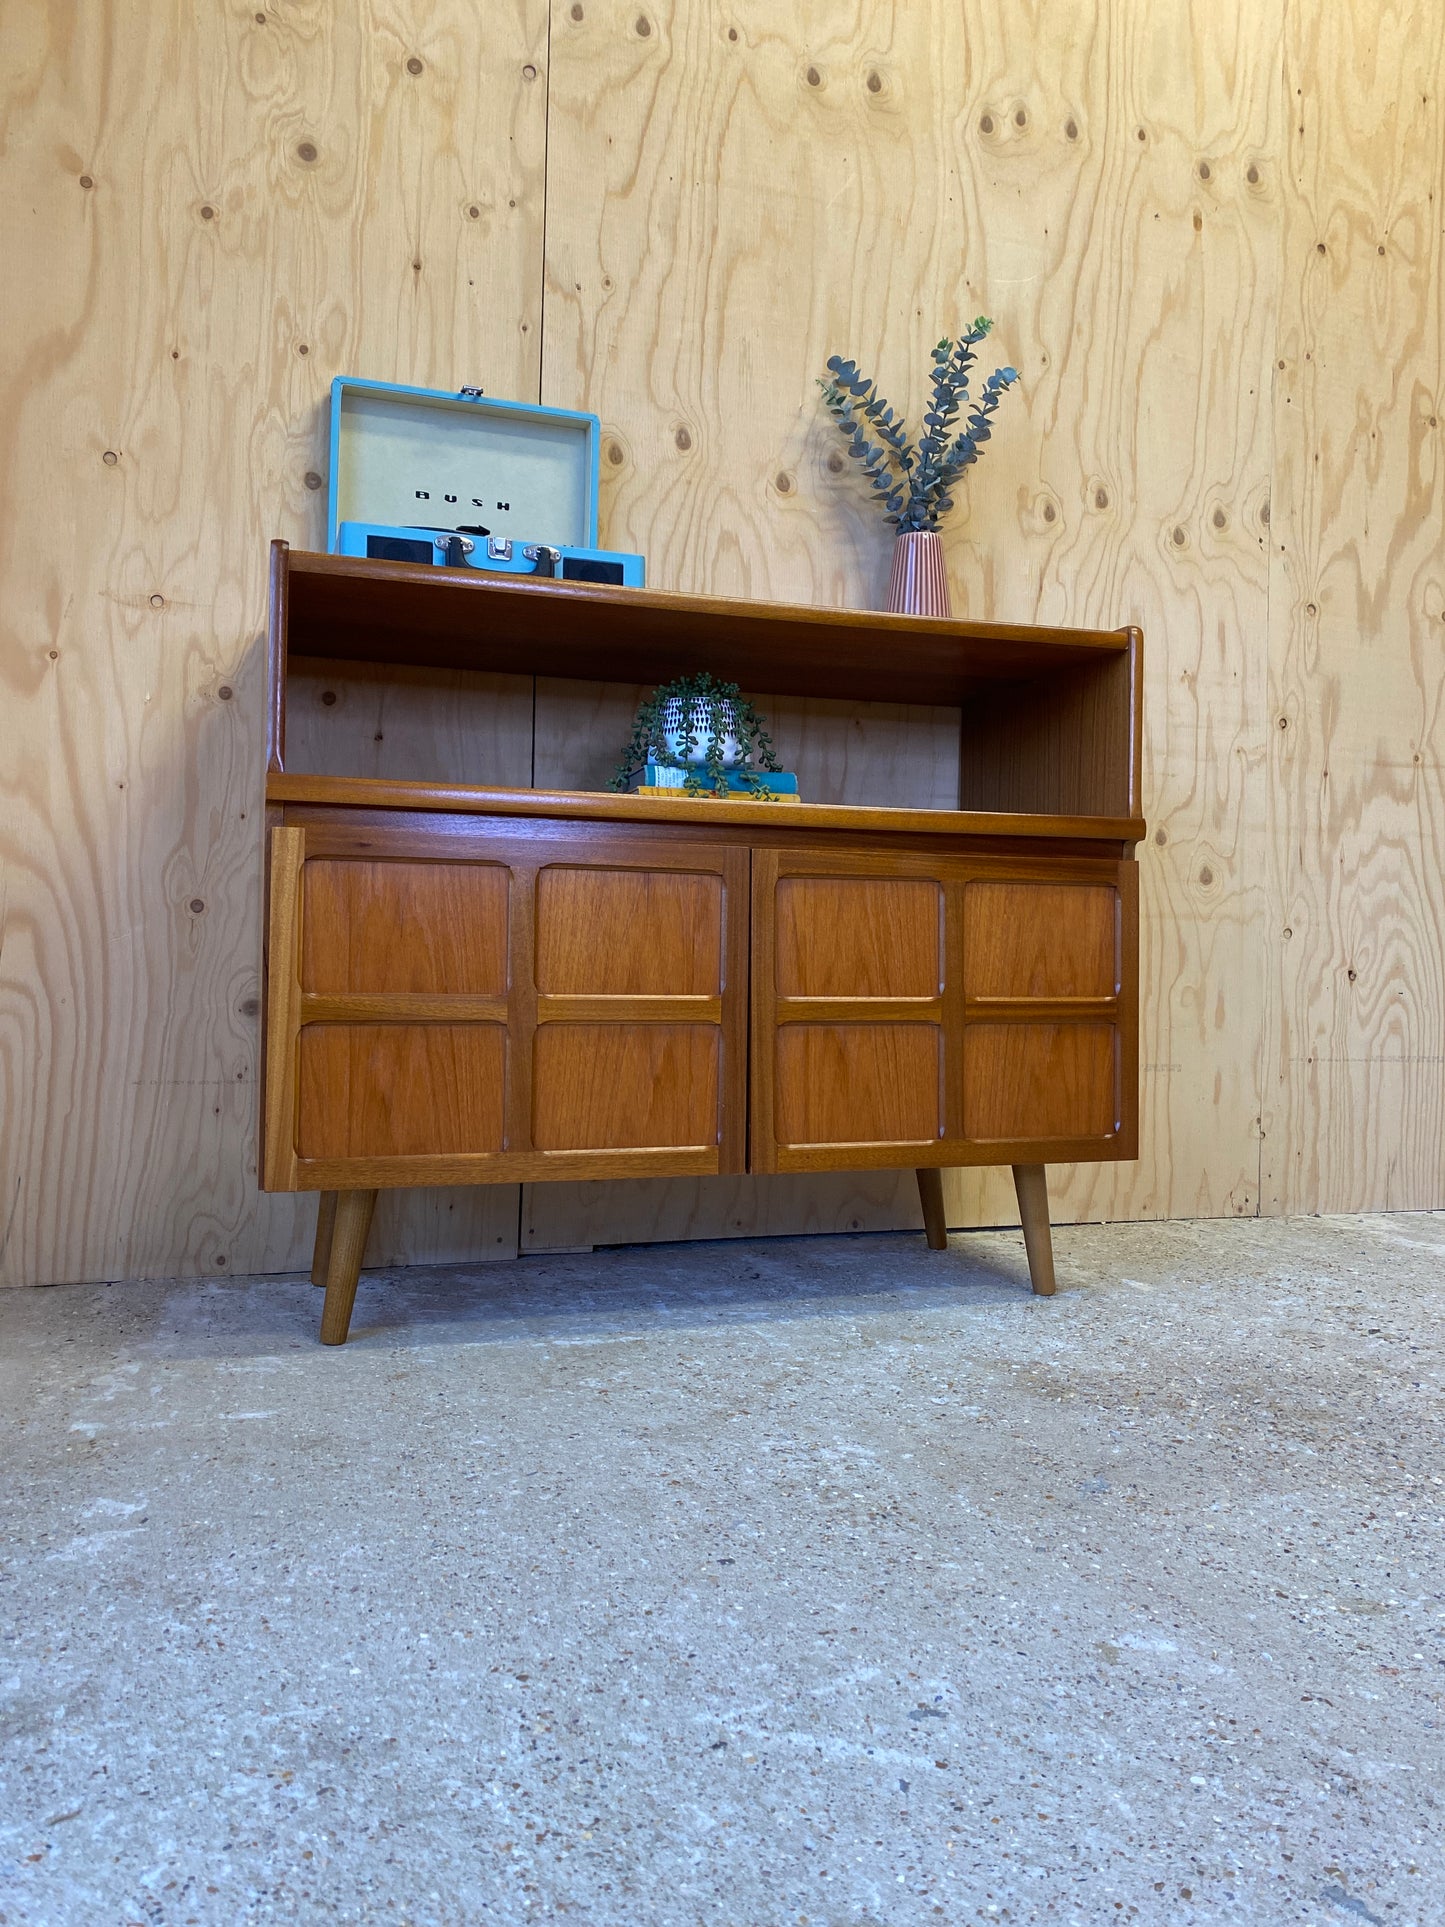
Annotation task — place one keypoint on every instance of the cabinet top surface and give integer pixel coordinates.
(602, 806)
(340, 608)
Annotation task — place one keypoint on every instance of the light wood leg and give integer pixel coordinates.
(325, 1224)
(1032, 1189)
(343, 1263)
(930, 1195)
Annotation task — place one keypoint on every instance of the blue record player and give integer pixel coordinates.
(464, 481)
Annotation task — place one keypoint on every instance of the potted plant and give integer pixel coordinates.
(914, 481)
(708, 729)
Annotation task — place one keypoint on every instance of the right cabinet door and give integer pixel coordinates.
(949, 1009)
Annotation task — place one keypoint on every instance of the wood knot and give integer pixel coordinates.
(306, 152)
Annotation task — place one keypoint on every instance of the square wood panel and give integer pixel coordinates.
(400, 1090)
(404, 927)
(869, 1083)
(1040, 1080)
(858, 937)
(620, 933)
(1040, 939)
(625, 1087)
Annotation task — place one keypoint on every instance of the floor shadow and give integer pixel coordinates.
(627, 1291)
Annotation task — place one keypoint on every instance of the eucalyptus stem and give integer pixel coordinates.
(914, 480)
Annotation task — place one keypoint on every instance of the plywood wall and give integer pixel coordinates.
(1355, 1097)
(1212, 241)
(208, 212)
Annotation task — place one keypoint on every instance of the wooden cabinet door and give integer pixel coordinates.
(910, 1009)
(456, 1003)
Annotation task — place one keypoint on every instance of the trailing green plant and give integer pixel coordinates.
(693, 708)
(915, 480)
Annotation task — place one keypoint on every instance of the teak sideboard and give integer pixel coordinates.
(470, 985)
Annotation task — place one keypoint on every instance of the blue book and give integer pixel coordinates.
(662, 776)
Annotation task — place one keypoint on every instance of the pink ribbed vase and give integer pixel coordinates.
(919, 583)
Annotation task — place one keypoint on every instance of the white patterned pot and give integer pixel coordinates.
(675, 735)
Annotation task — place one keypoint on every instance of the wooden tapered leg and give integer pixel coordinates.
(1032, 1189)
(343, 1262)
(930, 1195)
(325, 1224)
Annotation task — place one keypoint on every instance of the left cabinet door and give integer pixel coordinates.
(457, 1001)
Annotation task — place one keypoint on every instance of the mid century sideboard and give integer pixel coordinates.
(469, 985)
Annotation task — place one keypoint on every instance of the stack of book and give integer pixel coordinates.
(767, 785)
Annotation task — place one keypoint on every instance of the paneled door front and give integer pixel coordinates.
(502, 1001)
(921, 1010)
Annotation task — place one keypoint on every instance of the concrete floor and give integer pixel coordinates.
(817, 1581)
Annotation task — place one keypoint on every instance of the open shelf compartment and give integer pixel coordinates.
(1049, 718)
